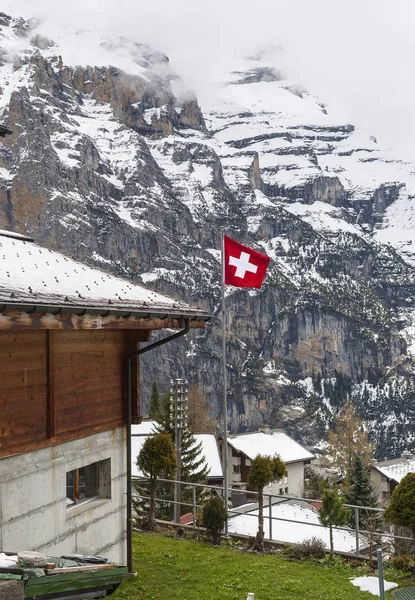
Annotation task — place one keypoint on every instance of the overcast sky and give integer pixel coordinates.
(358, 56)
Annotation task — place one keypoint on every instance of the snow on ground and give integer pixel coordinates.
(371, 584)
(291, 531)
(322, 217)
(398, 226)
(193, 179)
(79, 46)
(65, 151)
(11, 81)
(6, 175)
(116, 144)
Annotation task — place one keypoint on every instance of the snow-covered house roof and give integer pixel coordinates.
(211, 453)
(292, 531)
(139, 434)
(396, 468)
(34, 276)
(146, 427)
(269, 444)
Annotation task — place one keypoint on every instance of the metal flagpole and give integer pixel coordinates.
(225, 400)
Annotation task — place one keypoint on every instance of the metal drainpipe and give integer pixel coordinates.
(129, 419)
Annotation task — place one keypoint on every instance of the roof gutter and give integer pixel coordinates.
(129, 421)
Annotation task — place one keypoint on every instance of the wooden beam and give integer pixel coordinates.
(22, 320)
(51, 385)
(80, 569)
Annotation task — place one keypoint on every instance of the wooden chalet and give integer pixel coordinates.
(70, 338)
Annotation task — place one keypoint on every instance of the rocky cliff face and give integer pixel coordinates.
(122, 169)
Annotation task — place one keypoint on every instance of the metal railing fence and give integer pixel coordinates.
(272, 500)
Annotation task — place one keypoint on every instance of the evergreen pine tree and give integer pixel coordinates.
(361, 493)
(194, 468)
(154, 407)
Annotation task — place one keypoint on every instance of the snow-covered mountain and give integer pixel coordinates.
(112, 160)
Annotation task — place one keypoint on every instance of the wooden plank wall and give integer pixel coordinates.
(60, 385)
(23, 389)
(88, 381)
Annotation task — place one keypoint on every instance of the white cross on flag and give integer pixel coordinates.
(243, 267)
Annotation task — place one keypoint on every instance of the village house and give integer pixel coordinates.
(242, 449)
(69, 391)
(387, 474)
(209, 450)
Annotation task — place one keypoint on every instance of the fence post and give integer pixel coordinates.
(194, 507)
(270, 517)
(356, 524)
(380, 574)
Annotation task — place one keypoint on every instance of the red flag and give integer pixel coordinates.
(244, 267)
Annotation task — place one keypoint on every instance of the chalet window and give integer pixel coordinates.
(281, 492)
(89, 482)
(286, 490)
(236, 468)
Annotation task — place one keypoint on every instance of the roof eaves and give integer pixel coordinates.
(381, 470)
(302, 459)
(162, 314)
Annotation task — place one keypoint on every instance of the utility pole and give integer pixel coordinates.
(178, 415)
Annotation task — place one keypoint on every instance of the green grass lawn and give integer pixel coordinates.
(170, 569)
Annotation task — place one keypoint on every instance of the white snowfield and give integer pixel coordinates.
(32, 274)
(252, 444)
(291, 531)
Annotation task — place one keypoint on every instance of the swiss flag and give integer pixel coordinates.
(244, 267)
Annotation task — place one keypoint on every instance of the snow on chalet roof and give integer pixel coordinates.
(269, 444)
(31, 275)
(396, 468)
(139, 434)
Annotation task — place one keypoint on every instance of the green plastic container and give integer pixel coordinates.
(79, 585)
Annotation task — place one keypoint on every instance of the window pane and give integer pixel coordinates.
(70, 488)
(88, 482)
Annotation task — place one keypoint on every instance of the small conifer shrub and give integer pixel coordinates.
(213, 516)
